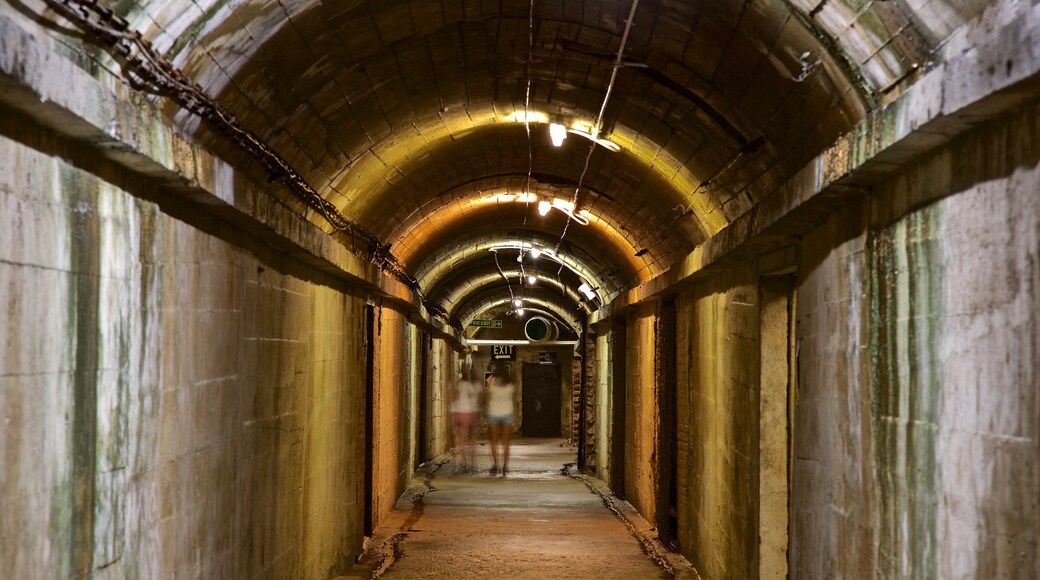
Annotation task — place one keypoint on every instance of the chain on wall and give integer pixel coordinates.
(146, 70)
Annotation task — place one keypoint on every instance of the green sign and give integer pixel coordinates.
(486, 323)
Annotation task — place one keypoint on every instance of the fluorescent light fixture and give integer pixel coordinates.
(526, 197)
(593, 135)
(566, 207)
(587, 291)
(557, 133)
(563, 205)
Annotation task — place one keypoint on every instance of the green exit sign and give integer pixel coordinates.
(486, 323)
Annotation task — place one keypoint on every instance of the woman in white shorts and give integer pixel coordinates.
(500, 395)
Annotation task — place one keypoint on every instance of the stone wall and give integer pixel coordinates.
(174, 402)
(444, 369)
(916, 431)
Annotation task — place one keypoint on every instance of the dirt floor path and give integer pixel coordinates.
(536, 522)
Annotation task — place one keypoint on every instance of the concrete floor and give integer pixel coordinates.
(536, 522)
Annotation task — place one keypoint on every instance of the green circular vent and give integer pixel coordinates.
(537, 328)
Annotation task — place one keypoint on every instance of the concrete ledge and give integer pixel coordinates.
(51, 92)
(979, 85)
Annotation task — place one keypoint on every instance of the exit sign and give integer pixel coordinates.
(503, 352)
(486, 323)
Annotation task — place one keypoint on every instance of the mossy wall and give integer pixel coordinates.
(177, 400)
(916, 430)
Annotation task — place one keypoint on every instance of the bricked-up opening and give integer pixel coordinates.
(618, 404)
(368, 482)
(422, 452)
(667, 427)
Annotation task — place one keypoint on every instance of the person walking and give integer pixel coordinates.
(465, 412)
(501, 393)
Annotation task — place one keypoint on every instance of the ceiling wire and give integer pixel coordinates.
(530, 148)
(504, 277)
(618, 65)
(527, 107)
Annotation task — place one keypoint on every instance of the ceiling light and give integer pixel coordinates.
(531, 279)
(520, 311)
(544, 207)
(587, 291)
(518, 303)
(557, 133)
(535, 252)
(530, 117)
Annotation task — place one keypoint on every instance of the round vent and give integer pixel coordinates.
(538, 329)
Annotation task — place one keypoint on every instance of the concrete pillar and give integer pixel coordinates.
(775, 380)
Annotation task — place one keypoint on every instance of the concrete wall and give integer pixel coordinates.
(717, 360)
(641, 413)
(394, 405)
(917, 421)
(173, 404)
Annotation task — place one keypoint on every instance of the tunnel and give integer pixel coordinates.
(767, 271)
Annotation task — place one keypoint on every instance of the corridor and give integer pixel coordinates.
(766, 272)
(539, 521)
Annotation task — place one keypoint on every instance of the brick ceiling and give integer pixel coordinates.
(406, 114)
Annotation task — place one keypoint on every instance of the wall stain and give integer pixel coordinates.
(85, 256)
(906, 277)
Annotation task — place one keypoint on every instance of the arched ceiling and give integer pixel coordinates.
(408, 116)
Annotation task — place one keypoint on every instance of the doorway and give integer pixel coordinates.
(667, 425)
(541, 400)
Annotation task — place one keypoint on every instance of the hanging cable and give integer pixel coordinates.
(146, 70)
(527, 128)
(618, 65)
(504, 277)
(527, 106)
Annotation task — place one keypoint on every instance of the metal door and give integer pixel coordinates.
(541, 400)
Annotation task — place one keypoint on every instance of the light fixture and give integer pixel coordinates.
(593, 135)
(518, 303)
(587, 291)
(520, 311)
(566, 207)
(531, 280)
(557, 133)
(535, 252)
